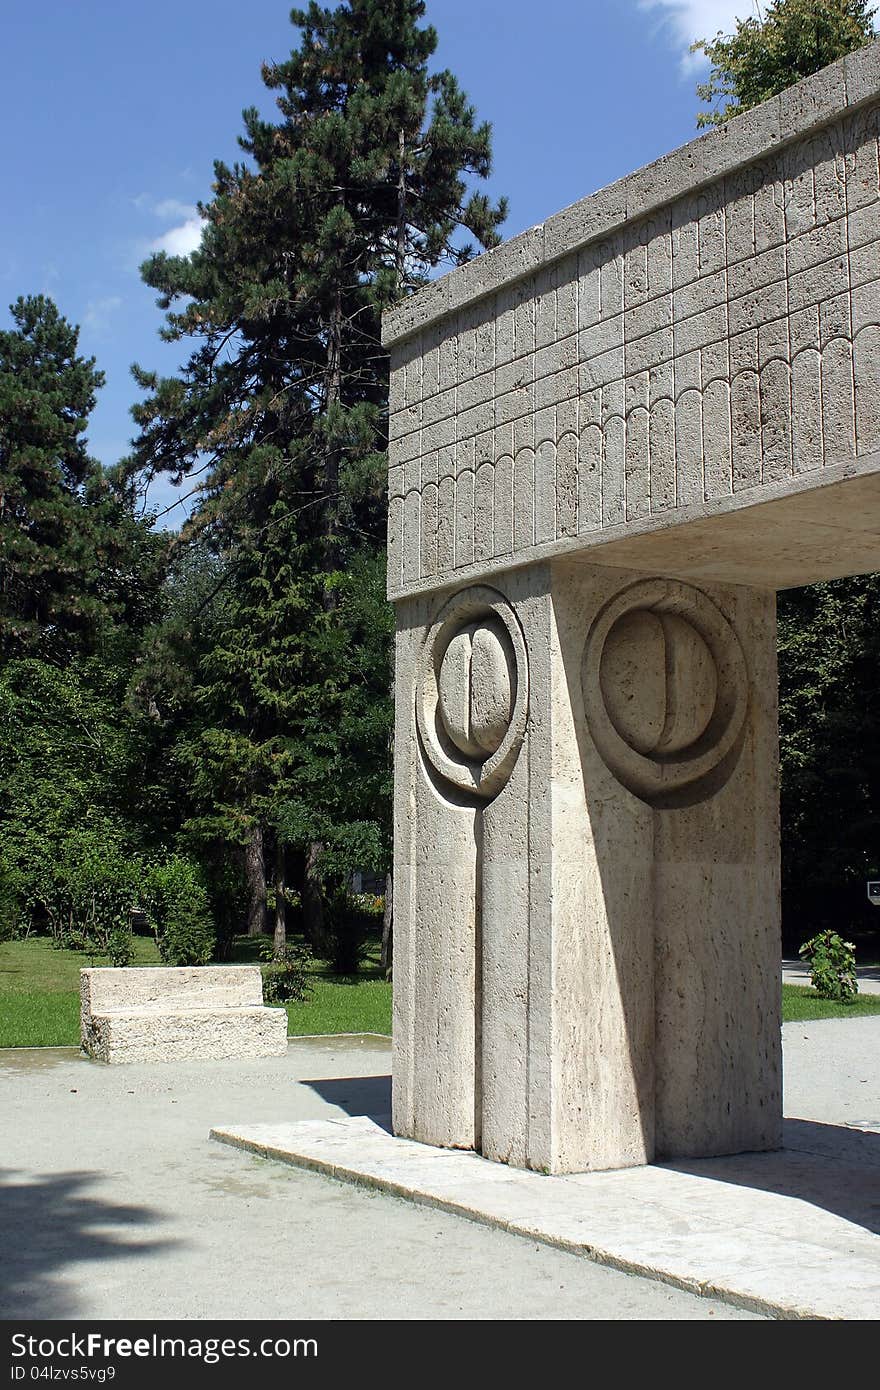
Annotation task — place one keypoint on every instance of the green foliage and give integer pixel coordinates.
(73, 557)
(791, 40)
(349, 925)
(79, 581)
(273, 670)
(91, 892)
(10, 902)
(832, 966)
(829, 713)
(120, 946)
(79, 885)
(286, 975)
(176, 901)
(223, 875)
(77, 798)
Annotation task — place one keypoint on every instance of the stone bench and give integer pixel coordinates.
(158, 1014)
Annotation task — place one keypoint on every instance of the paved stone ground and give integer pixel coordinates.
(115, 1203)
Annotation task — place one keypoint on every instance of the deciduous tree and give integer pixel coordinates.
(787, 40)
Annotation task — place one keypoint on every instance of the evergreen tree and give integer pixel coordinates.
(791, 39)
(829, 714)
(74, 560)
(348, 201)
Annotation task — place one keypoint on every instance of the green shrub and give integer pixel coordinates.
(91, 892)
(223, 873)
(10, 903)
(349, 924)
(832, 964)
(285, 977)
(176, 902)
(120, 947)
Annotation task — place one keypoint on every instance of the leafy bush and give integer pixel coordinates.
(91, 892)
(372, 905)
(227, 895)
(120, 947)
(832, 964)
(177, 904)
(10, 903)
(285, 977)
(349, 924)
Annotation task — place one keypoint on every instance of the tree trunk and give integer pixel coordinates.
(332, 397)
(280, 900)
(387, 953)
(312, 897)
(255, 870)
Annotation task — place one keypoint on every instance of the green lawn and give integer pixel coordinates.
(39, 994)
(342, 1006)
(39, 990)
(39, 1020)
(801, 1002)
(26, 966)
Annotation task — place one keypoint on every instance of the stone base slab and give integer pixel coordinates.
(791, 1234)
(145, 1035)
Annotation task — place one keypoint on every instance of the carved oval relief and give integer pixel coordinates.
(665, 692)
(659, 681)
(476, 686)
(472, 701)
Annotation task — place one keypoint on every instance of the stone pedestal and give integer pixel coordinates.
(586, 869)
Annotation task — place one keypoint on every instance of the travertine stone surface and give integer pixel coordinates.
(703, 338)
(790, 1234)
(178, 1013)
(612, 440)
(574, 961)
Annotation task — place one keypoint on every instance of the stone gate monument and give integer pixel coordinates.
(612, 440)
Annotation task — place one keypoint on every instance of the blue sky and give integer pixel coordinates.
(113, 114)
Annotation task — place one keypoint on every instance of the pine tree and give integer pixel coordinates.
(46, 394)
(346, 203)
(77, 567)
(791, 39)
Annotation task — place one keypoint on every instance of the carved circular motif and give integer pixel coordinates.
(472, 694)
(665, 692)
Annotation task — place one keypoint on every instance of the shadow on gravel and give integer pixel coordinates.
(836, 1167)
(52, 1223)
(357, 1095)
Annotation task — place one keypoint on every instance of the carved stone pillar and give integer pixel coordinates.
(586, 861)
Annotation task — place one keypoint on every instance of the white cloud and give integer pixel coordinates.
(183, 239)
(184, 236)
(688, 20)
(172, 207)
(98, 313)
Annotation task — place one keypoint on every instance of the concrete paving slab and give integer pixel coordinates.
(792, 1234)
(114, 1204)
